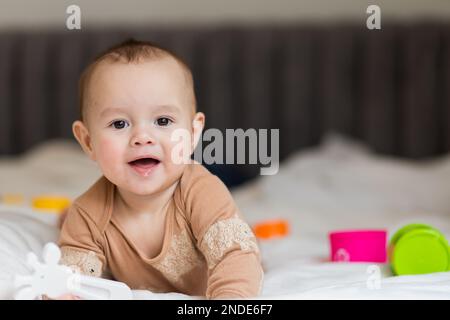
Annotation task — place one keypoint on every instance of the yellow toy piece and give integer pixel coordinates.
(54, 204)
(12, 199)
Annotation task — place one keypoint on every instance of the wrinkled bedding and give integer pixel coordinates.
(338, 185)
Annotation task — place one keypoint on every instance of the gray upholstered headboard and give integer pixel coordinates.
(389, 88)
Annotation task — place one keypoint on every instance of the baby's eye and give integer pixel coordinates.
(119, 124)
(163, 121)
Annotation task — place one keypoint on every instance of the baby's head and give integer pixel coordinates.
(132, 99)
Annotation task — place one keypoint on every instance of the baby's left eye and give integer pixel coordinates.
(163, 121)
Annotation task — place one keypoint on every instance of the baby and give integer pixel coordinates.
(149, 221)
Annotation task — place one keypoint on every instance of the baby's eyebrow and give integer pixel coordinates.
(166, 108)
(157, 109)
(110, 110)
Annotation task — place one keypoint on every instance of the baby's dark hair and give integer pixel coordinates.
(131, 51)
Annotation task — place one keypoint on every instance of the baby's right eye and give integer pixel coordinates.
(119, 124)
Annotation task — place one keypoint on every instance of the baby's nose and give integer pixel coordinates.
(141, 139)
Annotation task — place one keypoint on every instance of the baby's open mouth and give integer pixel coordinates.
(144, 165)
(144, 162)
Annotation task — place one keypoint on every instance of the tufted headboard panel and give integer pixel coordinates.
(389, 88)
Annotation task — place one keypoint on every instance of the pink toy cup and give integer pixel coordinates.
(358, 246)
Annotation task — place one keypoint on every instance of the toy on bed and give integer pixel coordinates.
(413, 249)
(40, 203)
(268, 229)
(50, 204)
(358, 246)
(14, 199)
(419, 249)
(55, 280)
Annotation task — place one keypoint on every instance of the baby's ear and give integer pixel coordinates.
(81, 133)
(197, 127)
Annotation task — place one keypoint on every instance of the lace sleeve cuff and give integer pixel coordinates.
(86, 263)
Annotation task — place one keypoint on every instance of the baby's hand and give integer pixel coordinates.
(67, 296)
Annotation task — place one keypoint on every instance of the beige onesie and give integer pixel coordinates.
(208, 249)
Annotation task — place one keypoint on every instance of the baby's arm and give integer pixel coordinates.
(226, 241)
(233, 260)
(80, 245)
(79, 248)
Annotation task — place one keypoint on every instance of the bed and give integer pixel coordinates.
(339, 184)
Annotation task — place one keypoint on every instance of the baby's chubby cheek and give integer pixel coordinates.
(174, 160)
(109, 154)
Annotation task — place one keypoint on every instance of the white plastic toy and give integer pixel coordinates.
(54, 280)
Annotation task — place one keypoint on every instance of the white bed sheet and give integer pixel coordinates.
(339, 185)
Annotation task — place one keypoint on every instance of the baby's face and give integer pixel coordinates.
(133, 109)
